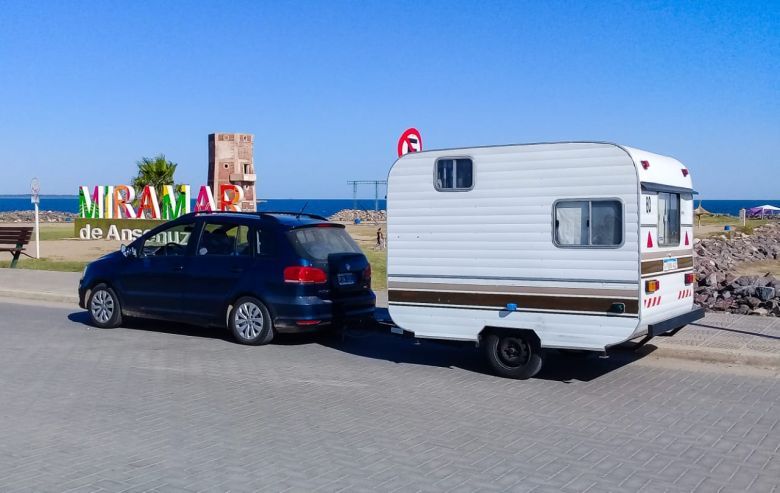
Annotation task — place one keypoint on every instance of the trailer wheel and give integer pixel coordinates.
(513, 355)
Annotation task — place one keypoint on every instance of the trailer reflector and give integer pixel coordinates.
(652, 286)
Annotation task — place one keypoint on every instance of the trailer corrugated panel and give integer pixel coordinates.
(457, 258)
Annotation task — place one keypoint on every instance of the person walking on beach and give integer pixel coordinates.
(380, 239)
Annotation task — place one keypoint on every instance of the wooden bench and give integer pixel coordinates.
(13, 239)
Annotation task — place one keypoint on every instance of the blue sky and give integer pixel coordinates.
(87, 88)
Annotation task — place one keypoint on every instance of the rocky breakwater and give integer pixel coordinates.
(720, 289)
(43, 216)
(364, 216)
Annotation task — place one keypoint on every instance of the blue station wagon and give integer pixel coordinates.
(256, 273)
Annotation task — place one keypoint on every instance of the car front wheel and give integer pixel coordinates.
(103, 307)
(250, 322)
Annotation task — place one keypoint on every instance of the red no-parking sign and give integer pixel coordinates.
(410, 141)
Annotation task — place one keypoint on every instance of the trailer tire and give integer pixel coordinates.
(513, 355)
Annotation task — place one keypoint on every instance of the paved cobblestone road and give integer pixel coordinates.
(174, 408)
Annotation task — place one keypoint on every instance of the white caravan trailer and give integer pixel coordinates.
(573, 245)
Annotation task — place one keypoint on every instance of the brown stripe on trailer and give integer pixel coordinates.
(657, 266)
(523, 301)
(502, 289)
(685, 252)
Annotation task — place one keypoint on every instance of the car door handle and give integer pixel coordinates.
(177, 268)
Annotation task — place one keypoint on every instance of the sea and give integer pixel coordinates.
(325, 207)
(322, 207)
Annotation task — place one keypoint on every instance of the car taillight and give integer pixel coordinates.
(690, 278)
(367, 273)
(652, 286)
(305, 275)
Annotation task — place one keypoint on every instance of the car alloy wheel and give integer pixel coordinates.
(102, 306)
(249, 320)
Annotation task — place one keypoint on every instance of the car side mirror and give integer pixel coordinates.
(128, 251)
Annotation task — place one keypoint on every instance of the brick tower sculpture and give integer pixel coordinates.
(231, 161)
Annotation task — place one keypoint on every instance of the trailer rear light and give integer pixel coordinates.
(645, 164)
(690, 278)
(652, 286)
(684, 172)
(305, 275)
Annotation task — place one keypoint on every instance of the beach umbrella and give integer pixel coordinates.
(701, 211)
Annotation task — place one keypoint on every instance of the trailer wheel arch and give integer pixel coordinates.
(529, 333)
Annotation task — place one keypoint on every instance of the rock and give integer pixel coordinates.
(43, 216)
(743, 309)
(760, 311)
(765, 293)
(752, 301)
(365, 216)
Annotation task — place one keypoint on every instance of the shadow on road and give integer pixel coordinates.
(557, 366)
(378, 343)
(163, 327)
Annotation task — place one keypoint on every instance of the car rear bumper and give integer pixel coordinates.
(310, 313)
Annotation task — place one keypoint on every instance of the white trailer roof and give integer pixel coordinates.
(655, 171)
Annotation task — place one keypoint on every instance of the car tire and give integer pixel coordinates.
(250, 322)
(513, 355)
(103, 307)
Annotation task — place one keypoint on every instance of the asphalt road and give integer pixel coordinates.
(162, 407)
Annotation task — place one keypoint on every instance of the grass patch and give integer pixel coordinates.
(758, 268)
(722, 220)
(378, 261)
(45, 264)
(55, 232)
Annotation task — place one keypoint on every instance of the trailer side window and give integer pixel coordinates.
(668, 219)
(588, 223)
(454, 174)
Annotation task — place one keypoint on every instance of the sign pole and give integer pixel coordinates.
(35, 188)
(37, 234)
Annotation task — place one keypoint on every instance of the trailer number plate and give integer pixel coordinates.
(346, 279)
(670, 264)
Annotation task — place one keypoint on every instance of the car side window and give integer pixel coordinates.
(224, 239)
(170, 242)
(265, 245)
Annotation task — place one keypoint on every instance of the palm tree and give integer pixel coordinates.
(156, 171)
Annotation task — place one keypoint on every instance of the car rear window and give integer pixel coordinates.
(317, 242)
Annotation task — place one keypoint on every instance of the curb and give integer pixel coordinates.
(38, 296)
(714, 355)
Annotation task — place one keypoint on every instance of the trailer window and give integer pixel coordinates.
(454, 174)
(588, 223)
(668, 219)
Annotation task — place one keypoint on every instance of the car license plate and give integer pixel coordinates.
(346, 279)
(670, 264)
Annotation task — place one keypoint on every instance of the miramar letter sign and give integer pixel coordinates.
(105, 209)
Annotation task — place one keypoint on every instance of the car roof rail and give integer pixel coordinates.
(296, 214)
